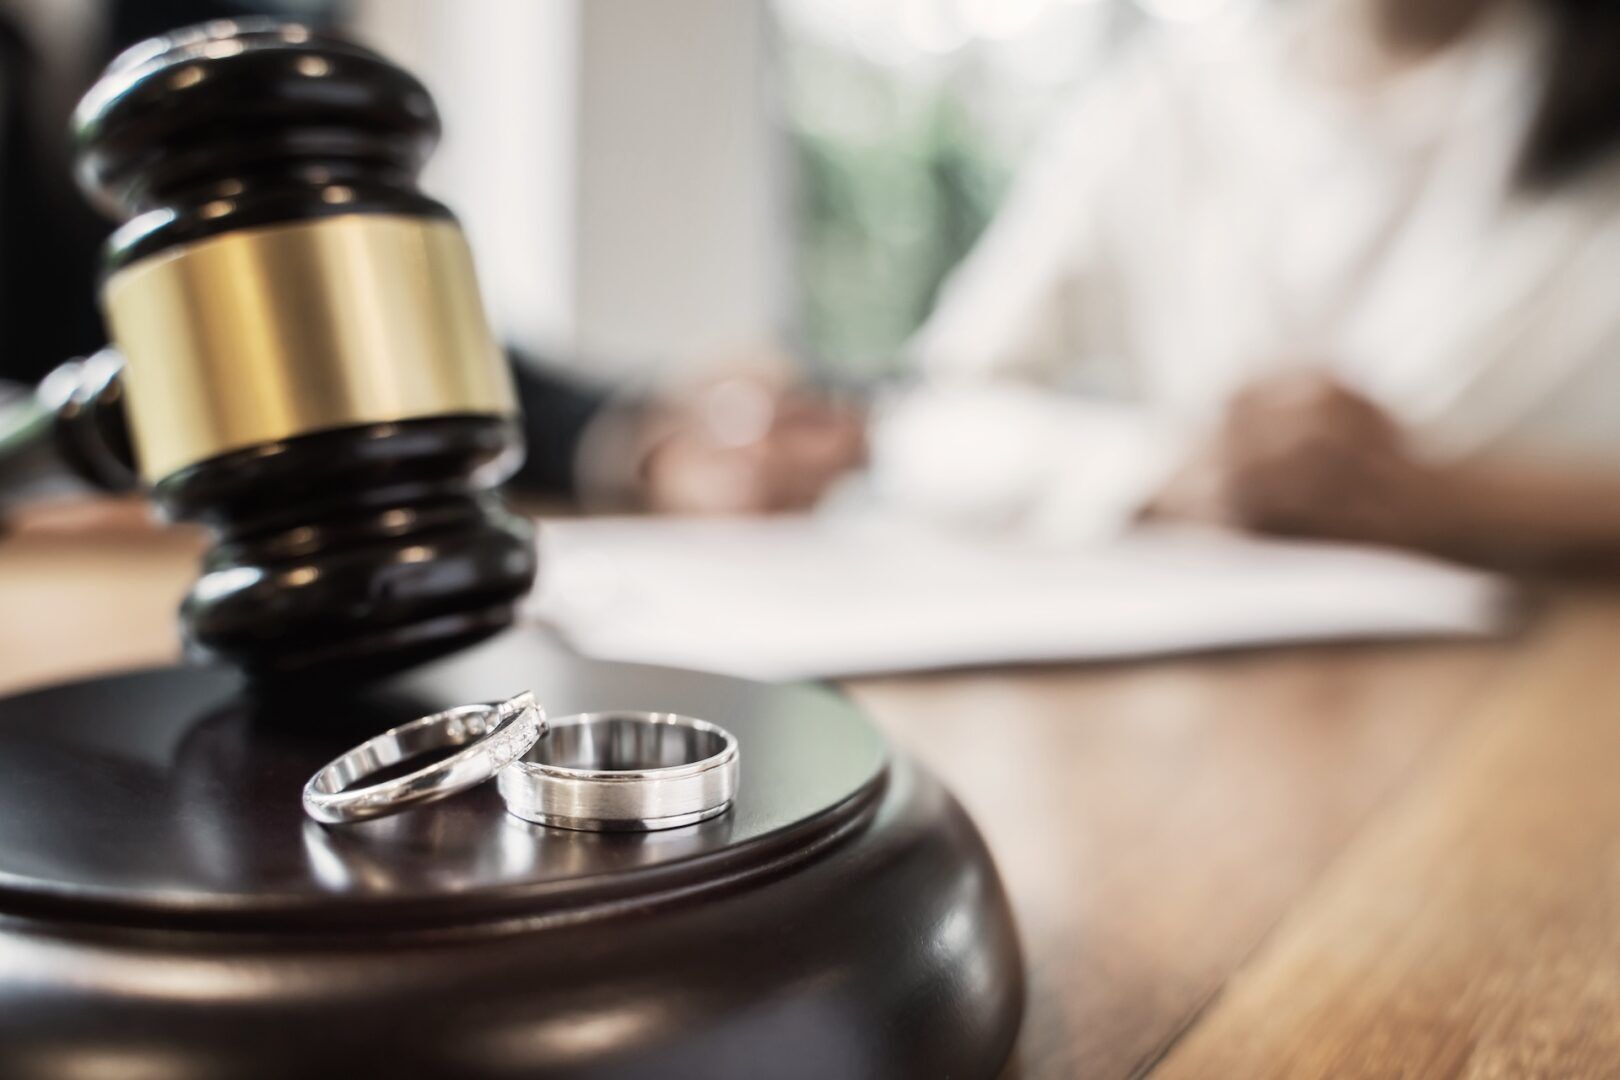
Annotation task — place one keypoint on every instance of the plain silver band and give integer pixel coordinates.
(491, 736)
(609, 771)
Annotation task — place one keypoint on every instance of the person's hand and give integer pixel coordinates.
(747, 444)
(1300, 454)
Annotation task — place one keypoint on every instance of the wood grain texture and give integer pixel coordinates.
(1153, 821)
(88, 589)
(1358, 860)
(1473, 929)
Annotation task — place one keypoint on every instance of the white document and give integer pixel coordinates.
(808, 597)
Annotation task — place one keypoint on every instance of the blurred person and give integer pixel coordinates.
(1338, 268)
(670, 451)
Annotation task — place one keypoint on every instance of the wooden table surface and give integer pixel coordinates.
(1390, 860)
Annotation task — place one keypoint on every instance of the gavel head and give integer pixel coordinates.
(309, 370)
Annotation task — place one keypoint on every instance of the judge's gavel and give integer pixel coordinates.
(307, 368)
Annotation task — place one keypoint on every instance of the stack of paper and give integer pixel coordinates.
(785, 598)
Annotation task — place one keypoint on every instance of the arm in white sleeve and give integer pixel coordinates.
(1040, 293)
(989, 440)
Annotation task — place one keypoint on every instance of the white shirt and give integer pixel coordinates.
(1227, 203)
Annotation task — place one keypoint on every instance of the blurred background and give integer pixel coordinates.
(1338, 268)
(646, 183)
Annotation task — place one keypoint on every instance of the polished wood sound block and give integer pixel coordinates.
(164, 902)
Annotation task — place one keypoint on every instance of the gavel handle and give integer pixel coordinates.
(74, 424)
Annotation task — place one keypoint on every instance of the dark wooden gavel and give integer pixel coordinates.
(306, 364)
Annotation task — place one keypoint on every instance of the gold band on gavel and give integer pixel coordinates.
(259, 335)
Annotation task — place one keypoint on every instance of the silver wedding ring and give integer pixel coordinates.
(490, 737)
(600, 771)
(623, 771)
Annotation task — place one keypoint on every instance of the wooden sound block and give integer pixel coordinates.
(165, 904)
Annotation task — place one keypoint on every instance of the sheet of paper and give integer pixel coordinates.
(786, 598)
